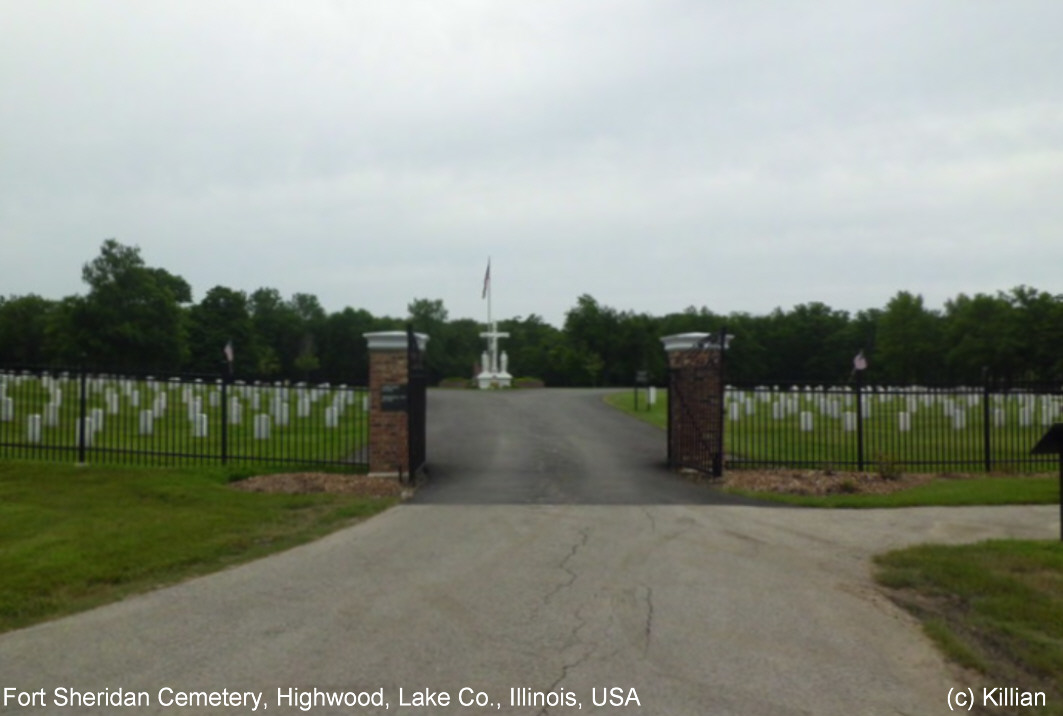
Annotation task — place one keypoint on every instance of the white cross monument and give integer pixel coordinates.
(494, 365)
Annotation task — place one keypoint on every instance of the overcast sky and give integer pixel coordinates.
(655, 154)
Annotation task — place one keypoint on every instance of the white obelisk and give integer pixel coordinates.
(493, 372)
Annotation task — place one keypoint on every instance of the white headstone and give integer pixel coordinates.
(85, 427)
(51, 415)
(97, 419)
(195, 407)
(147, 422)
(199, 426)
(806, 421)
(331, 417)
(7, 409)
(849, 421)
(303, 406)
(235, 411)
(736, 411)
(33, 429)
(652, 395)
(262, 425)
(1026, 416)
(904, 422)
(134, 398)
(281, 414)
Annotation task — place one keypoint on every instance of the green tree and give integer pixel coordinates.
(981, 331)
(222, 316)
(807, 343)
(23, 329)
(529, 345)
(343, 352)
(132, 317)
(909, 341)
(278, 332)
(1038, 318)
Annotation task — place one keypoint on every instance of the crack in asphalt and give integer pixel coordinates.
(576, 547)
(652, 519)
(565, 668)
(648, 630)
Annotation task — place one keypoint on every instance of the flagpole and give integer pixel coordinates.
(490, 323)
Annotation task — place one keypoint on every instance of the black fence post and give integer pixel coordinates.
(225, 419)
(718, 458)
(83, 410)
(986, 449)
(859, 422)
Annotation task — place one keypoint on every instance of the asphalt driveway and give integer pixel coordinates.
(559, 447)
(690, 608)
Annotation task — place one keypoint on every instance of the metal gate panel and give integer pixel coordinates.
(416, 404)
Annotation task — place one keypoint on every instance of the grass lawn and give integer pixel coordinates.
(72, 538)
(994, 607)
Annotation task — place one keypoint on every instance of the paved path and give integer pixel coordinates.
(548, 447)
(699, 608)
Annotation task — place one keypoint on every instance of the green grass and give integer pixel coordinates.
(995, 607)
(72, 538)
(757, 438)
(654, 415)
(172, 440)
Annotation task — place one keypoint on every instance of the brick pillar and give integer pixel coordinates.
(695, 419)
(389, 453)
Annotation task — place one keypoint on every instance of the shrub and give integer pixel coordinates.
(888, 469)
(528, 383)
(455, 383)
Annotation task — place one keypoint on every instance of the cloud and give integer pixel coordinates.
(653, 154)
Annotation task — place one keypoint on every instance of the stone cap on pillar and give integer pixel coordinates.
(393, 340)
(694, 341)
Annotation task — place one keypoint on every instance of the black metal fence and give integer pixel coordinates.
(985, 427)
(416, 403)
(170, 420)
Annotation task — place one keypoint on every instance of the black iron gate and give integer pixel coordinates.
(416, 403)
(695, 410)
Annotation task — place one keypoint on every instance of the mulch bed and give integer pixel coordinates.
(825, 482)
(301, 483)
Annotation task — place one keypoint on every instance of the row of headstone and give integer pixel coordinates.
(957, 413)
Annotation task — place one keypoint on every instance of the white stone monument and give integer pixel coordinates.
(494, 370)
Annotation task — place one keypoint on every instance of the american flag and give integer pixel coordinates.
(860, 362)
(487, 279)
(228, 351)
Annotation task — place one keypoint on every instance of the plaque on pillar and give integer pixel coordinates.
(393, 397)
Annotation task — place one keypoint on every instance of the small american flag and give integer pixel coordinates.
(860, 362)
(487, 279)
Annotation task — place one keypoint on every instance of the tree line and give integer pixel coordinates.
(136, 318)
